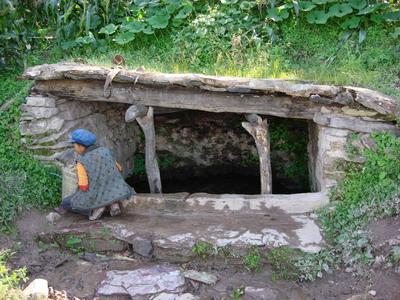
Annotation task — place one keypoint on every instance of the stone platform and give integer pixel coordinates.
(170, 237)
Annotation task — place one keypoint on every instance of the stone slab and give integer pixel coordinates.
(226, 203)
(263, 293)
(202, 277)
(140, 282)
(40, 101)
(167, 296)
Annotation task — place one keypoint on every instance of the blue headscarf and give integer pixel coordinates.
(83, 137)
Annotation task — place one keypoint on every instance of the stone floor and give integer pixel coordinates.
(161, 242)
(101, 260)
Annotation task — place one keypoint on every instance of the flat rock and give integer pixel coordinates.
(145, 281)
(166, 296)
(140, 245)
(37, 290)
(358, 297)
(260, 293)
(203, 277)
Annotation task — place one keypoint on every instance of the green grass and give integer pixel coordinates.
(10, 279)
(252, 260)
(301, 53)
(369, 191)
(364, 191)
(202, 249)
(24, 182)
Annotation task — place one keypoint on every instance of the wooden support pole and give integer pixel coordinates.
(144, 117)
(135, 111)
(258, 129)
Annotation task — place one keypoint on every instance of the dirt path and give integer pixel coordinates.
(80, 274)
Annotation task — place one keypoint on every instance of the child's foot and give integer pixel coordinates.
(115, 210)
(96, 213)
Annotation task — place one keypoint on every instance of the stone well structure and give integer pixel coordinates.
(119, 104)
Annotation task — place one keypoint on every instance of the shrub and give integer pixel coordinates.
(24, 181)
(10, 279)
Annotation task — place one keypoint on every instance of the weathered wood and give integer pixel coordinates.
(354, 124)
(134, 112)
(235, 84)
(309, 92)
(181, 98)
(258, 128)
(376, 101)
(153, 172)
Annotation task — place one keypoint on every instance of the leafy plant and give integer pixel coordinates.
(10, 279)
(139, 165)
(282, 261)
(238, 293)
(369, 191)
(373, 182)
(74, 244)
(252, 260)
(165, 161)
(293, 264)
(202, 249)
(394, 255)
(196, 25)
(292, 142)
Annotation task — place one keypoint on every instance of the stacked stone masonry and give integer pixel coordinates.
(47, 121)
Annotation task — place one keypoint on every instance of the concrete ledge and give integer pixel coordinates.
(226, 203)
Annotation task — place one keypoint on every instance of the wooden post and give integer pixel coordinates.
(258, 129)
(144, 116)
(135, 111)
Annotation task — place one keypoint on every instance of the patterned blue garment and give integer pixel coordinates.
(106, 184)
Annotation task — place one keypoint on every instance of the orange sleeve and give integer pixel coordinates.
(119, 167)
(83, 180)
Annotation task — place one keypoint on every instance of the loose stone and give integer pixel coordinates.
(145, 281)
(53, 217)
(37, 290)
(166, 296)
(203, 277)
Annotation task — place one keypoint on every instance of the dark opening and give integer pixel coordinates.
(212, 153)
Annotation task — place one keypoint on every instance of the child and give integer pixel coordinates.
(100, 182)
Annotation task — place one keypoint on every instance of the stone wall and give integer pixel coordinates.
(204, 139)
(47, 121)
(327, 150)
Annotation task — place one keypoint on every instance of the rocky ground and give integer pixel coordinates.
(125, 275)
